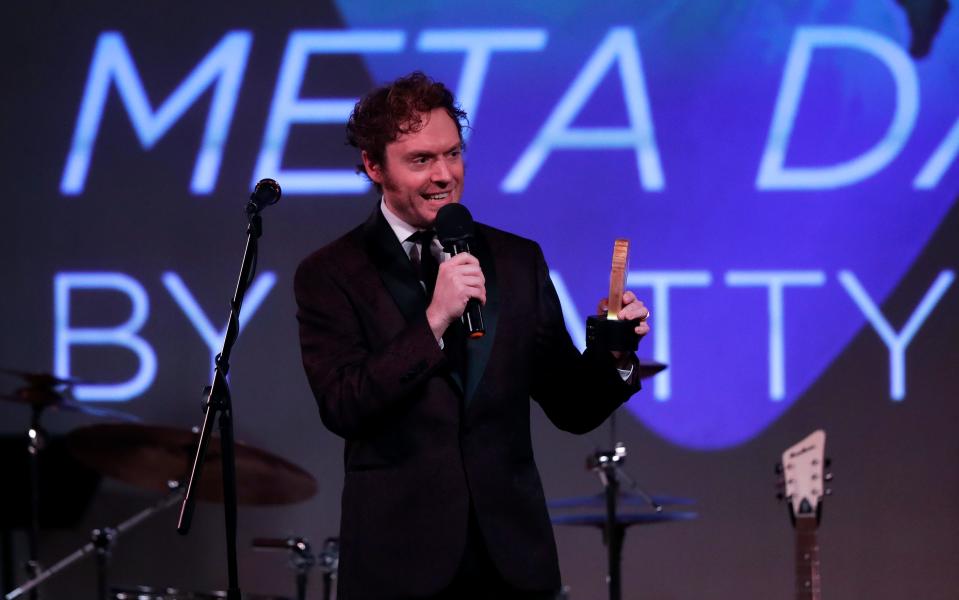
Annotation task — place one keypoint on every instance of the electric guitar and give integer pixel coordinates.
(803, 479)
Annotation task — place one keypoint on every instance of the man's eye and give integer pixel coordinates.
(421, 160)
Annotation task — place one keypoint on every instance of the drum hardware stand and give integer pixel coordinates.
(42, 391)
(102, 542)
(302, 560)
(607, 464)
(330, 561)
(36, 440)
(219, 403)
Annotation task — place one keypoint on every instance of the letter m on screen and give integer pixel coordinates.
(223, 66)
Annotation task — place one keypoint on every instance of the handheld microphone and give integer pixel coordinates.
(454, 229)
(265, 193)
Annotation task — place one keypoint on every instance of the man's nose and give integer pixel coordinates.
(440, 173)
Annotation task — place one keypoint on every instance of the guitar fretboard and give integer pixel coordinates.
(807, 559)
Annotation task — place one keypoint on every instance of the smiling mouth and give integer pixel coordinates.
(436, 197)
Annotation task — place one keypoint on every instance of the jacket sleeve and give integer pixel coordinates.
(577, 391)
(357, 386)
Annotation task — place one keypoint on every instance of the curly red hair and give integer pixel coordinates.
(396, 109)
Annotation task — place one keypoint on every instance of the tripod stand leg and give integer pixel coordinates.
(101, 539)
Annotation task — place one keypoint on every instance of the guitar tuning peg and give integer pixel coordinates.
(780, 496)
(828, 476)
(827, 462)
(779, 468)
(828, 491)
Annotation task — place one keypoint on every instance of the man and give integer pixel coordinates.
(442, 498)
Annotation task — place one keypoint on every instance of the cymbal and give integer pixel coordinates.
(623, 499)
(150, 456)
(35, 396)
(648, 368)
(45, 380)
(625, 519)
(44, 398)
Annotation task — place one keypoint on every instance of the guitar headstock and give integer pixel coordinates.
(804, 476)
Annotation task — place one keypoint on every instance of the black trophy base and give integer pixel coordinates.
(605, 334)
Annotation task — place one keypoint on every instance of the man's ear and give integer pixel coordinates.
(373, 170)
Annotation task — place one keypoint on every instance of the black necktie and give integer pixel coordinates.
(427, 268)
(423, 260)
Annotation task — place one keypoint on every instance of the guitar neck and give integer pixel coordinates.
(807, 560)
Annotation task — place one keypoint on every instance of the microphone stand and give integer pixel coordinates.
(219, 404)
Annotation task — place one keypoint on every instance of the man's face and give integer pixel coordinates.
(422, 171)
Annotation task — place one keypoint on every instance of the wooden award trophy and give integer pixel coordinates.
(608, 332)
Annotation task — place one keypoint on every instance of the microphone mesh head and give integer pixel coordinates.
(266, 192)
(454, 223)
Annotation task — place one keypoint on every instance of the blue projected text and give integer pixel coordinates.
(223, 69)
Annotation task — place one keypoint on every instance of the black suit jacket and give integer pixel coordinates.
(423, 440)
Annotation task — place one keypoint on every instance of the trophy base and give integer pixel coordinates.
(604, 334)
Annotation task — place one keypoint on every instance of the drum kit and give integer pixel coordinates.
(157, 458)
(171, 461)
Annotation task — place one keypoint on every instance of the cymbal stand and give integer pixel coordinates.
(36, 440)
(607, 464)
(102, 542)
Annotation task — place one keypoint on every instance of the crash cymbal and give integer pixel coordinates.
(44, 398)
(45, 380)
(648, 368)
(150, 456)
(41, 397)
(623, 499)
(626, 519)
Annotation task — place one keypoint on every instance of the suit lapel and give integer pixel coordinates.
(394, 266)
(397, 272)
(478, 350)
